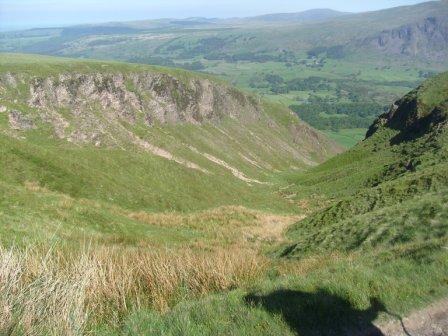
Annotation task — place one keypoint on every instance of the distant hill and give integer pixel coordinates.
(300, 17)
(382, 30)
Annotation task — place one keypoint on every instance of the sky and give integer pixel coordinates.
(20, 14)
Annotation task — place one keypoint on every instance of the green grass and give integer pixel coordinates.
(26, 64)
(347, 137)
(383, 194)
(122, 178)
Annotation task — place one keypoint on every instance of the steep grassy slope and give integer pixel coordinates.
(144, 138)
(108, 173)
(391, 188)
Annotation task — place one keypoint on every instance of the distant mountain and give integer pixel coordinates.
(427, 38)
(418, 30)
(300, 17)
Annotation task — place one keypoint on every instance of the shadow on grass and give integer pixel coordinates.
(319, 313)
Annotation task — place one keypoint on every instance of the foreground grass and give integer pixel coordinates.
(347, 294)
(133, 292)
(54, 292)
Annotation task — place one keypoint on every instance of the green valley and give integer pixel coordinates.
(144, 200)
(280, 174)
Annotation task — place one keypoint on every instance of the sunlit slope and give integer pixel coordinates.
(390, 189)
(145, 137)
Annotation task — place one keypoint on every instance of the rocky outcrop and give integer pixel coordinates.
(414, 116)
(97, 108)
(427, 39)
(19, 121)
(159, 97)
(154, 112)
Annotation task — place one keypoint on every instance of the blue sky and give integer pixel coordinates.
(42, 13)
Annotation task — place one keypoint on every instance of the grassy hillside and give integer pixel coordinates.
(372, 248)
(114, 144)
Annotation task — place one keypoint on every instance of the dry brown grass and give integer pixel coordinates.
(63, 292)
(55, 292)
(302, 267)
(225, 225)
(229, 216)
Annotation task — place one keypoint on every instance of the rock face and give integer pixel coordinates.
(159, 97)
(98, 107)
(18, 121)
(426, 39)
(417, 112)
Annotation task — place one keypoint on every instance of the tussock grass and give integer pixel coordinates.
(61, 293)
(226, 216)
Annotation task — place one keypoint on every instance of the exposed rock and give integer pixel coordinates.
(411, 116)
(160, 97)
(166, 155)
(427, 39)
(18, 121)
(9, 79)
(97, 105)
(238, 174)
(3, 109)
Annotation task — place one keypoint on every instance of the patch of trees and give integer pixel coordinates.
(153, 60)
(338, 116)
(162, 61)
(195, 66)
(277, 84)
(284, 57)
(96, 30)
(334, 52)
(202, 47)
(103, 42)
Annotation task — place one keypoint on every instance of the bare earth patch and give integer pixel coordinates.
(270, 227)
(238, 174)
(430, 321)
